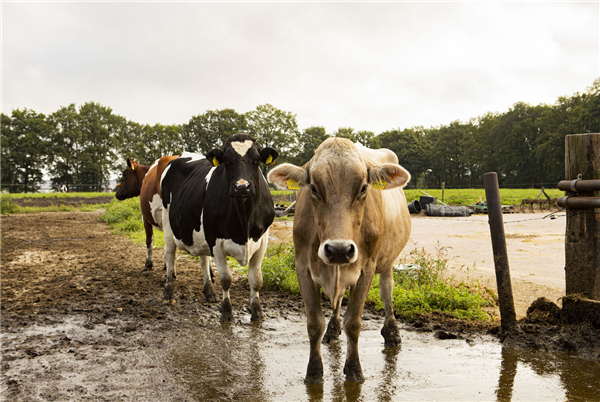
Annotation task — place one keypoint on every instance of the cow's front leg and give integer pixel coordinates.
(208, 290)
(315, 324)
(352, 325)
(255, 280)
(225, 278)
(149, 244)
(334, 328)
(390, 332)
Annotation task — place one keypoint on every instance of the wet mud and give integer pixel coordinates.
(81, 321)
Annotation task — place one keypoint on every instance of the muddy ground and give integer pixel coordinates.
(80, 321)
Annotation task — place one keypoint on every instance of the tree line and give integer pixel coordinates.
(86, 145)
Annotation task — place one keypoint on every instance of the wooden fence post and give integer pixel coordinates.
(582, 237)
(508, 318)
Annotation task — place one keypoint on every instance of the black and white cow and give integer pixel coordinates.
(219, 206)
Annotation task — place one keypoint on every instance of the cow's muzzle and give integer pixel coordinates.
(242, 189)
(338, 252)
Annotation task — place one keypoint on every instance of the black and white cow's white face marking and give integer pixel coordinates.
(240, 157)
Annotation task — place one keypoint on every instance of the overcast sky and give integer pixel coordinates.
(370, 66)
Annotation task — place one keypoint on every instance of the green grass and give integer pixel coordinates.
(426, 288)
(7, 206)
(125, 217)
(508, 196)
(57, 195)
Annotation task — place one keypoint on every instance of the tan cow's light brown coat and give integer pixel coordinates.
(345, 232)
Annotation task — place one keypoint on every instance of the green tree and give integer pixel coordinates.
(366, 138)
(66, 146)
(412, 148)
(210, 130)
(274, 128)
(24, 150)
(99, 129)
(308, 141)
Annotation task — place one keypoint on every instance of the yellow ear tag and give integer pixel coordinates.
(132, 167)
(379, 184)
(292, 184)
(215, 162)
(270, 160)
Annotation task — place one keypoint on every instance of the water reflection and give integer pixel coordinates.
(352, 391)
(579, 378)
(389, 375)
(223, 363)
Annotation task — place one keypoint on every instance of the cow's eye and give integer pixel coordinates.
(313, 189)
(363, 190)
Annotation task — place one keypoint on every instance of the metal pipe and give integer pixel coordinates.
(579, 185)
(579, 202)
(508, 317)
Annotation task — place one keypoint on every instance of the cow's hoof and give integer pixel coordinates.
(332, 334)
(226, 311)
(209, 293)
(314, 372)
(391, 335)
(353, 372)
(168, 293)
(257, 313)
(148, 267)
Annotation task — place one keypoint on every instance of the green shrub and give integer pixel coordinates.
(124, 216)
(6, 205)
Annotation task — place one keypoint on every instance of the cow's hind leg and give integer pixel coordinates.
(334, 328)
(390, 332)
(225, 279)
(208, 290)
(255, 280)
(149, 244)
(170, 253)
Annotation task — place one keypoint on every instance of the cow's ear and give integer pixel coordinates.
(388, 176)
(268, 156)
(130, 164)
(215, 156)
(288, 176)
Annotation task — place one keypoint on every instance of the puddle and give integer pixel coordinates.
(268, 363)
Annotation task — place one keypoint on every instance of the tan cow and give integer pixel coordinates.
(346, 230)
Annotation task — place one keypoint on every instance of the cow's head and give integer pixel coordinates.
(241, 156)
(340, 181)
(130, 185)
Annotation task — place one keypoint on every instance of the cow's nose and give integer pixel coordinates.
(339, 253)
(242, 189)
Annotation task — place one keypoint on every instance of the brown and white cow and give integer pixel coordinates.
(144, 181)
(351, 222)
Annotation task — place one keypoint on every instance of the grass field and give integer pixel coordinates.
(57, 195)
(508, 196)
